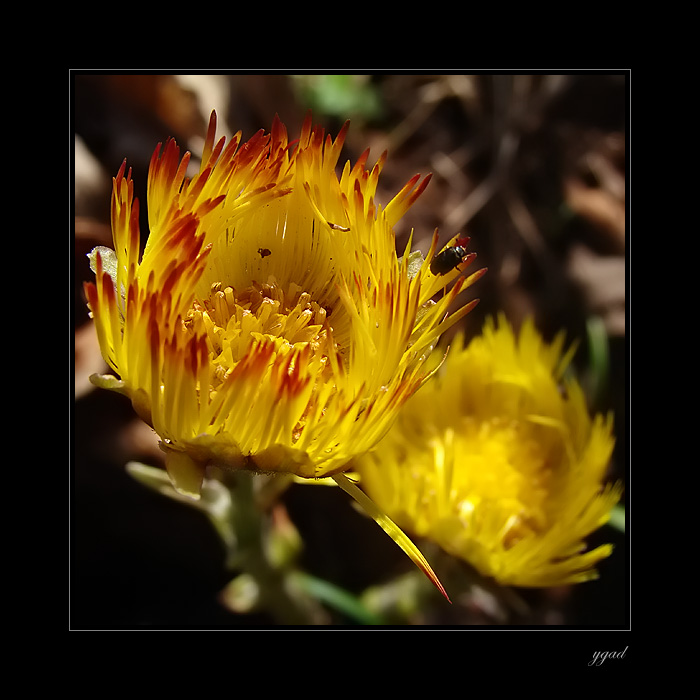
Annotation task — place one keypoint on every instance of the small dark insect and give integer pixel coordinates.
(264, 252)
(451, 257)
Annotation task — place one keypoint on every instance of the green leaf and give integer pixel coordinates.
(618, 518)
(335, 597)
(599, 357)
(341, 96)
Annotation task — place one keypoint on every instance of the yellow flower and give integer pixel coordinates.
(268, 324)
(498, 461)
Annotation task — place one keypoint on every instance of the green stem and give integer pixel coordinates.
(285, 602)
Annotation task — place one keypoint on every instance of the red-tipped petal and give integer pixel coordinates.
(390, 528)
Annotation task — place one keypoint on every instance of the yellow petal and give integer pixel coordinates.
(391, 529)
(186, 474)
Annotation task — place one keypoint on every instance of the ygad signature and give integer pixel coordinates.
(600, 656)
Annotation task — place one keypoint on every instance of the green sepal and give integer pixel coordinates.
(214, 502)
(414, 262)
(109, 261)
(109, 382)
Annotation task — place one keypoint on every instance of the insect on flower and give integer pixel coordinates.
(446, 260)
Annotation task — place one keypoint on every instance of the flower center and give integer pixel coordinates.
(506, 472)
(232, 320)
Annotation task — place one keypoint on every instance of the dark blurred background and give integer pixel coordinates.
(532, 167)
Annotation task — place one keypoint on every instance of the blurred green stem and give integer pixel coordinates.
(286, 602)
(261, 546)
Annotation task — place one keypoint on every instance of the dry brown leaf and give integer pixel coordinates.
(604, 284)
(605, 211)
